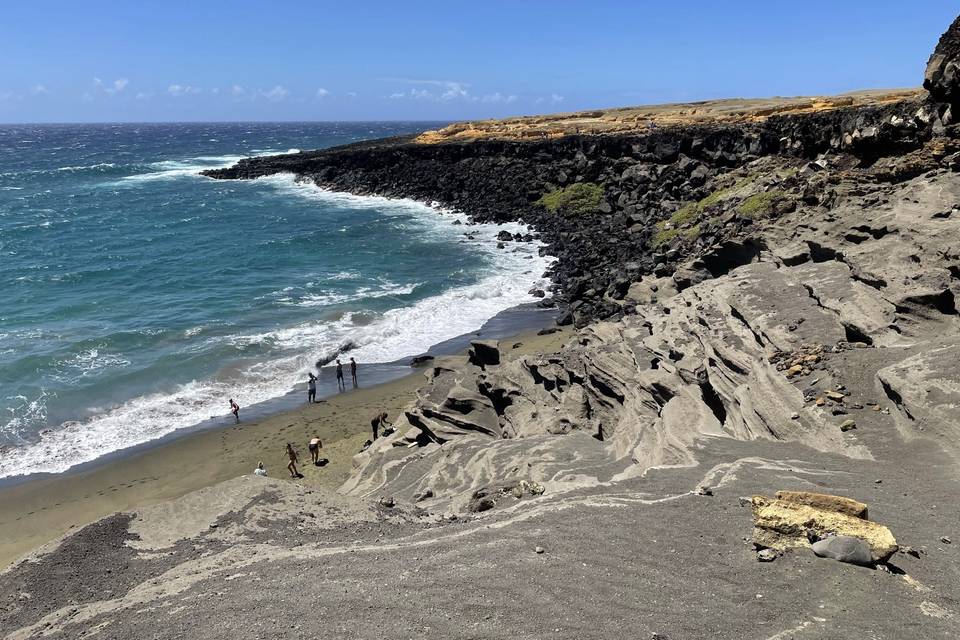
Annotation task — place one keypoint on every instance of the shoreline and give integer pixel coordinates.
(40, 508)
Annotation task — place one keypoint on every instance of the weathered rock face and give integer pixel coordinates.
(942, 78)
(752, 351)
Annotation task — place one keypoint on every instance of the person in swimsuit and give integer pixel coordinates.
(340, 384)
(377, 422)
(315, 446)
(292, 465)
(353, 371)
(235, 410)
(312, 388)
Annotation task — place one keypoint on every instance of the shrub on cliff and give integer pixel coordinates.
(760, 205)
(579, 198)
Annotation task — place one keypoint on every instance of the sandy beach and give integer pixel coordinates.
(41, 510)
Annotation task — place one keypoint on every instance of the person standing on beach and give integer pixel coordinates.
(340, 383)
(292, 465)
(312, 388)
(235, 410)
(315, 446)
(353, 372)
(377, 422)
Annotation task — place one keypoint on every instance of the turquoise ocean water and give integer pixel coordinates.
(137, 296)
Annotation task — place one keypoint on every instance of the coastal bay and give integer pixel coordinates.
(42, 509)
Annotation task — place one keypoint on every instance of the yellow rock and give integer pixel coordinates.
(785, 524)
(794, 370)
(834, 395)
(826, 502)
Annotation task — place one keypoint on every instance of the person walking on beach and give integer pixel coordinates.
(340, 383)
(379, 421)
(312, 388)
(292, 465)
(353, 372)
(235, 410)
(315, 446)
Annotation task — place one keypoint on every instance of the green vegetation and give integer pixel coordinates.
(663, 235)
(577, 199)
(759, 204)
(667, 230)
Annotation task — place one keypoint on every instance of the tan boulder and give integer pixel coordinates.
(793, 518)
(825, 501)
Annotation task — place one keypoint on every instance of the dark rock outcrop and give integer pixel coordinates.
(942, 78)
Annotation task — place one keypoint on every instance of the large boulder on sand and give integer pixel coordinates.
(942, 78)
(795, 518)
(844, 549)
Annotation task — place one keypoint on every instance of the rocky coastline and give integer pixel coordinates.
(752, 433)
(644, 181)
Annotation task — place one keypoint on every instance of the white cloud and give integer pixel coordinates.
(351, 94)
(276, 94)
(110, 88)
(322, 93)
(499, 98)
(552, 99)
(215, 91)
(39, 90)
(445, 91)
(177, 90)
(238, 91)
(7, 95)
(144, 95)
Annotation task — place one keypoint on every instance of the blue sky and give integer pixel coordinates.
(97, 61)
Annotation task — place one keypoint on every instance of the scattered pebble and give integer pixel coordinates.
(945, 540)
(767, 555)
(538, 549)
(847, 425)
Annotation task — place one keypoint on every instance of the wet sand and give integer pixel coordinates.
(38, 511)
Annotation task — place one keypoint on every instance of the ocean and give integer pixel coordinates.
(137, 297)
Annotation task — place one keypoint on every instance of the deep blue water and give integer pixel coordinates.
(137, 296)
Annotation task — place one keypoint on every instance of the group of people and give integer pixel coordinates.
(341, 384)
(311, 387)
(293, 459)
(379, 425)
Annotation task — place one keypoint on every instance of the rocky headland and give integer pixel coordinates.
(753, 433)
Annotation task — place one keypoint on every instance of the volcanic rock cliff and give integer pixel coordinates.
(766, 307)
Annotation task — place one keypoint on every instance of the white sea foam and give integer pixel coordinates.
(398, 333)
(86, 167)
(190, 167)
